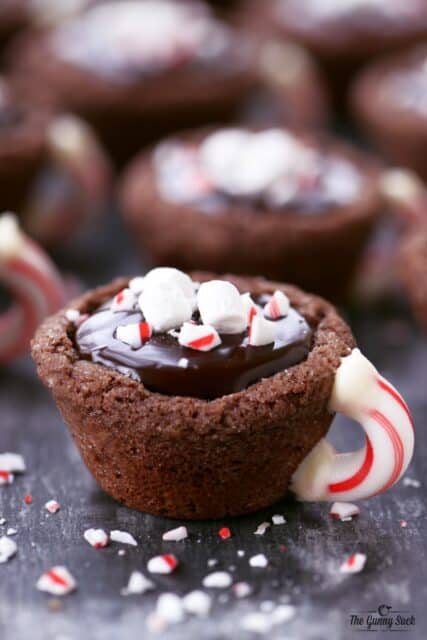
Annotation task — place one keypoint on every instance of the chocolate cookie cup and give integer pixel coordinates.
(342, 36)
(389, 99)
(289, 207)
(187, 457)
(138, 69)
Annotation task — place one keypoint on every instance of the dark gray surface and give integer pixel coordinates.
(304, 572)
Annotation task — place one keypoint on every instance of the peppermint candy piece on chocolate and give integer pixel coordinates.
(57, 581)
(278, 306)
(123, 537)
(200, 337)
(240, 162)
(198, 603)
(97, 538)
(259, 561)
(123, 301)
(52, 506)
(165, 306)
(6, 477)
(167, 563)
(136, 285)
(175, 535)
(354, 563)
(217, 580)
(13, 462)
(134, 334)
(138, 584)
(344, 511)
(8, 548)
(261, 332)
(220, 305)
(250, 307)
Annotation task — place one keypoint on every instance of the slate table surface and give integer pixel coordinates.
(304, 554)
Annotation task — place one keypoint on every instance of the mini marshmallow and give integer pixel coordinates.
(354, 563)
(8, 548)
(217, 580)
(201, 337)
(278, 306)
(165, 306)
(168, 276)
(259, 561)
(97, 538)
(221, 306)
(261, 332)
(198, 603)
(58, 581)
(123, 537)
(344, 510)
(167, 563)
(136, 285)
(137, 585)
(250, 307)
(52, 506)
(123, 301)
(13, 462)
(175, 535)
(134, 334)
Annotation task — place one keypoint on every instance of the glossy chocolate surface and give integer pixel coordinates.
(164, 366)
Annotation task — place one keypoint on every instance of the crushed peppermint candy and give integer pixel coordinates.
(8, 549)
(164, 564)
(262, 528)
(175, 535)
(198, 603)
(278, 519)
(134, 334)
(28, 499)
(6, 477)
(261, 331)
(97, 538)
(123, 537)
(123, 301)
(217, 580)
(344, 511)
(137, 585)
(263, 622)
(12, 462)
(411, 482)
(200, 337)
(11, 531)
(242, 589)
(52, 506)
(258, 560)
(278, 306)
(212, 562)
(57, 581)
(241, 553)
(403, 524)
(2, 521)
(136, 285)
(169, 610)
(224, 533)
(354, 563)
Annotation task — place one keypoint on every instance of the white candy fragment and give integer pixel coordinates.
(169, 608)
(136, 285)
(52, 506)
(220, 305)
(137, 585)
(278, 306)
(97, 538)
(410, 482)
(200, 337)
(123, 301)
(198, 603)
(165, 564)
(258, 561)
(11, 531)
(134, 334)
(250, 307)
(8, 548)
(354, 563)
(217, 580)
(12, 462)
(123, 537)
(261, 332)
(278, 519)
(6, 477)
(344, 511)
(175, 535)
(165, 306)
(262, 528)
(58, 581)
(242, 589)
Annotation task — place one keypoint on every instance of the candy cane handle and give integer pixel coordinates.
(361, 394)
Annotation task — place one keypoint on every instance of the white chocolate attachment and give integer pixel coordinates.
(361, 394)
(220, 305)
(34, 283)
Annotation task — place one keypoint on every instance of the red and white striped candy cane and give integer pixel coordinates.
(361, 394)
(34, 283)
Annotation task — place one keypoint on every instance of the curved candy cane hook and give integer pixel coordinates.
(362, 394)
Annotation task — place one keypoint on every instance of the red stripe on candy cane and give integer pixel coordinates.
(397, 444)
(360, 475)
(396, 396)
(205, 341)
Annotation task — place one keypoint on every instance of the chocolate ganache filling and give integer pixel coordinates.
(166, 366)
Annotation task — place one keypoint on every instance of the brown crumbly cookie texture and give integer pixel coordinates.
(319, 253)
(185, 457)
(413, 271)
